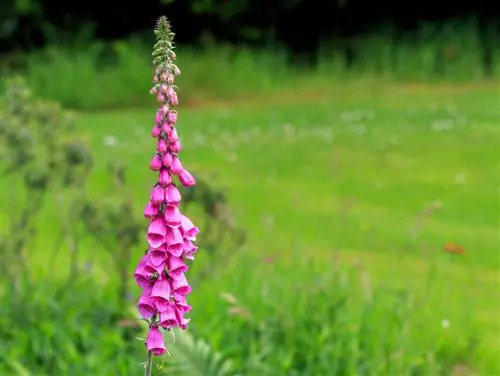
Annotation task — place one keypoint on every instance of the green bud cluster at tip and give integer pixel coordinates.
(163, 49)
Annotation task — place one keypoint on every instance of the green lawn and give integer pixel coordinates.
(350, 177)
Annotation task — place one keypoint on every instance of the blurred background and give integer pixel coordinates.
(347, 162)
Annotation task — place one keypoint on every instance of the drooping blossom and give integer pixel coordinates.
(155, 342)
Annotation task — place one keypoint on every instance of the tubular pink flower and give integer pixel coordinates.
(155, 163)
(180, 303)
(145, 305)
(172, 195)
(182, 321)
(151, 210)
(188, 229)
(172, 135)
(155, 131)
(180, 285)
(166, 128)
(160, 294)
(174, 241)
(158, 257)
(167, 159)
(157, 195)
(173, 99)
(159, 118)
(144, 273)
(165, 178)
(187, 179)
(189, 249)
(154, 341)
(172, 116)
(175, 147)
(162, 146)
(169, 90)
(176, 165)
(176, 266)
(172, 216)
(168, 316)
(157, 232)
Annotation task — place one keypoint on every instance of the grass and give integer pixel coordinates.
(378, 178)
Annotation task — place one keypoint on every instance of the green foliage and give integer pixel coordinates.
(65, 328)
(452, 53)
(39, 155)
(193, 357)
(227, 11)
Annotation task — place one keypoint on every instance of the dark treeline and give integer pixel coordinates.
(301, 25)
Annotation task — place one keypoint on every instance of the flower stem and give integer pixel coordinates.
(149, 364)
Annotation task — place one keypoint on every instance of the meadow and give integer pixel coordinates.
(370, 207)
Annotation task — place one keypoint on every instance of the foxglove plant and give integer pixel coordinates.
(170, 235)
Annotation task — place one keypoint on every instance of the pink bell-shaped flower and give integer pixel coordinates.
(188, 229)
(180, 285)
(154, 341)
(145, 305)
(144, 272)
(151, 210)
(176, 266)
(155, 163)
(172, 195)
(172, 216)
(165, 178)
(168, 316)
(157, 195)
(176, 165)
(160, 294)
(157, 232)
(187, 179)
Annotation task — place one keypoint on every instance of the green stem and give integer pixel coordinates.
(149, 364)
